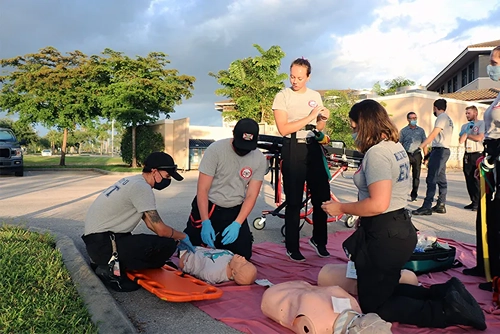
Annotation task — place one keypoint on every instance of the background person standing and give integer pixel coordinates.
(436, 167)
(411, 136)
(472, 135)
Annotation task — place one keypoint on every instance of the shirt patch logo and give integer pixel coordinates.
(313, 104)
(246, 172)
(475, 129)
(248, 136)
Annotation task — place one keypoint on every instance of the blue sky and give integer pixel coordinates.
(351, 44)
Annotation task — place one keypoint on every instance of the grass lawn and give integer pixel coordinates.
(113, 164)
(36, 291)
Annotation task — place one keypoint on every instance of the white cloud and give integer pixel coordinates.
(409, 39)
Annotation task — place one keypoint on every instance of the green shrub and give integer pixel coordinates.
(146, 140)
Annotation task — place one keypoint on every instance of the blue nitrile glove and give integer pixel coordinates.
(185, 244)
(462, 132)
(230, 233)
(207, 233)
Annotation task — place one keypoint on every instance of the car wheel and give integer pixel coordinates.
(19, 172)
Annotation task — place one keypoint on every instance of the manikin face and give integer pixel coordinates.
(298, 78)
(240, 266)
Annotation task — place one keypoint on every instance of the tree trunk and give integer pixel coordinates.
(63, 148)
(134, 159)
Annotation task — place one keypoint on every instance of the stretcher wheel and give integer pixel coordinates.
(350, 221)
(283, 230)
(259, 223)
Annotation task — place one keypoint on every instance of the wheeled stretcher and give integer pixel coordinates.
(339, 159)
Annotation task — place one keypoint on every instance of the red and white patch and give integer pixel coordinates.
(313, 104)
(246, 173)
(248, 136)
(475, 128)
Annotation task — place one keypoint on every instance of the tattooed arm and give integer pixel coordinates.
(155, 224)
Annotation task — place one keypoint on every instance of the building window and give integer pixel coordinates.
(472, 74)
(464, 77)
(455, 83)
(449, 87)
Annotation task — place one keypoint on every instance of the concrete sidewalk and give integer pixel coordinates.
(58, 202)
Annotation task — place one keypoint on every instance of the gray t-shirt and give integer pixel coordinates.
(209, 265)
(411, 138)
(120, 208)
(231, 172)
(443, 139)
(385, 161)
(492, 120)
(476, 128)
(297, 106)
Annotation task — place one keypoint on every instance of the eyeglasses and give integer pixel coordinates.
(412, 118)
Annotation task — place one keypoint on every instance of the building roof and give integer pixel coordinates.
(491, 44)
(462, 60)
(474, 95)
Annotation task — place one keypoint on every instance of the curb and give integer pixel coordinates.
(105, 313)
(97, 170)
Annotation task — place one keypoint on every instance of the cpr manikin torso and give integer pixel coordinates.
(304, 308)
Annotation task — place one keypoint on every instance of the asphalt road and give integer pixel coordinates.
(58, 201)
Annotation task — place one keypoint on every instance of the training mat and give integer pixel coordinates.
(239, 306)
(173, 285)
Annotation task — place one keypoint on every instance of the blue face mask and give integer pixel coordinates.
(354, 135)
(413, 122)
(493, 72)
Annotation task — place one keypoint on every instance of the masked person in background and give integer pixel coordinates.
(297, 111)
(230, 178)
(411, 136)
(491, 153)
(118, 210)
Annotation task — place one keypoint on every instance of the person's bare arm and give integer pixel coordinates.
(156, 224)
(204, 184)
(285, 128)
(252, 193)
(476, 138)
(377, 203)
(430, 138)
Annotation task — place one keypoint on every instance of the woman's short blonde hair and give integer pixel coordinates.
(373, 124)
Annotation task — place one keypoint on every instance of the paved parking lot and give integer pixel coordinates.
(58, 201)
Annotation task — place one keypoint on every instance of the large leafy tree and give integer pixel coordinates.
(338, 126)
(392, 85)
(50, 88)
(252, 84)
(135, 91)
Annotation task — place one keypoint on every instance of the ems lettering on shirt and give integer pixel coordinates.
(404, 168)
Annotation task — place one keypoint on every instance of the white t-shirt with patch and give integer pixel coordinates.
(209, 265)
(231, 173)
(443, 139)
(473, 129)
(385, 161)
(120, 207)
(492, 120)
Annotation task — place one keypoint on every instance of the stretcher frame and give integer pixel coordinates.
(337, 156)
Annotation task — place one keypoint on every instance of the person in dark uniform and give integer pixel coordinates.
(492, 156)
(386, 237)
(298, 110)
(472, 135)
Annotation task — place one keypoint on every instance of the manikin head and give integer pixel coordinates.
(242, 271)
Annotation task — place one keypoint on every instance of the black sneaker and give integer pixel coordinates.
(117, 283)
(439, 208)
(475, 271)
(470, 206)
(296, 256)
(459, 312)
(320, 250)
(422, 212)
(413, 199)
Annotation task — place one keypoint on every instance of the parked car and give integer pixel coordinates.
(11, 154)
(46, 153)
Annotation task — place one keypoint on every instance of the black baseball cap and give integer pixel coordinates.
(246, 134)
(162, 161)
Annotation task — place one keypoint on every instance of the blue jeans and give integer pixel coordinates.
(436, 175)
